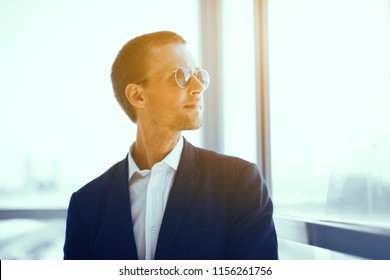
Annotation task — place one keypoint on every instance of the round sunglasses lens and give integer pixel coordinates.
(203, 77)
(182, 76)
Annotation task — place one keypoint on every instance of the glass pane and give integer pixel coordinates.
(239, 87)
(330, 109)
(289, 250)
(60, 124)
(24, 239)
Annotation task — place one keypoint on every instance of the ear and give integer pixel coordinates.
(134, 95)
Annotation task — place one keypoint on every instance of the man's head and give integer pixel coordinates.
(157, 81)
(133, 61)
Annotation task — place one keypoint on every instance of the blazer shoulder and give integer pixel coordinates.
(212, 157)
(104, 182)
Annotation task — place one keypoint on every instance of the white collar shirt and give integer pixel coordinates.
(149, 191)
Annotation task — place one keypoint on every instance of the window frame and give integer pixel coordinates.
(350, 238)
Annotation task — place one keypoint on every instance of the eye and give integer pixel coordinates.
(172, 78)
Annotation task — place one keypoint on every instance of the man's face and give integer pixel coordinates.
(167, 106)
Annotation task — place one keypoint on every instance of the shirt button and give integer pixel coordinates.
(153, 229)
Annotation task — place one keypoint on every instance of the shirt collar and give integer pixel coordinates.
(172, 159)
(133, 167)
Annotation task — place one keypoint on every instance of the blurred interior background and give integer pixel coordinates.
(300, 87)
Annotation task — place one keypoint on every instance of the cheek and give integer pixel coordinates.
(165, 103)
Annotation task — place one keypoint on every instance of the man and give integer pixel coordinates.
(168, 199)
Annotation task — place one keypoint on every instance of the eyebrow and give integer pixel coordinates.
(186, 66)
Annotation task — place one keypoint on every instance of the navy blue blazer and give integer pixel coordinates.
(218, 208)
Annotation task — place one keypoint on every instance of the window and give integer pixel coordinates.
(239, 87)
(60, 124)
(329, 92)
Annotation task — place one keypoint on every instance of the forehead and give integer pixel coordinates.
(169, 57)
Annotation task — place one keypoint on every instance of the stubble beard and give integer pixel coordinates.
(187, 123)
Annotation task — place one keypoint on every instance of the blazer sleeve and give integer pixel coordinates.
(77, 240)
(252, 232)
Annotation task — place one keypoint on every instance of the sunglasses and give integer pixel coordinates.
(183, 76)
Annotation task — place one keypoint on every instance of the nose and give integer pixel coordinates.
(195, 87)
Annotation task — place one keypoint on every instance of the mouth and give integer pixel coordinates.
(194, 106)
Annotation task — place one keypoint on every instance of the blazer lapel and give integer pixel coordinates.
(119, 215)
(182, 192)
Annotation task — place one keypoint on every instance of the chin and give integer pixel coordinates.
(193, 125)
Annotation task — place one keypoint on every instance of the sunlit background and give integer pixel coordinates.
(328, 64)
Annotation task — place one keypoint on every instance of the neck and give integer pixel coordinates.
(153, 146)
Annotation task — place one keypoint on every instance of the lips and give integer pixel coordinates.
(193, 106)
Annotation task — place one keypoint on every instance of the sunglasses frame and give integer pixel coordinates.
(186, 73)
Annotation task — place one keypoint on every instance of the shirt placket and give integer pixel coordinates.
(153, 206)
